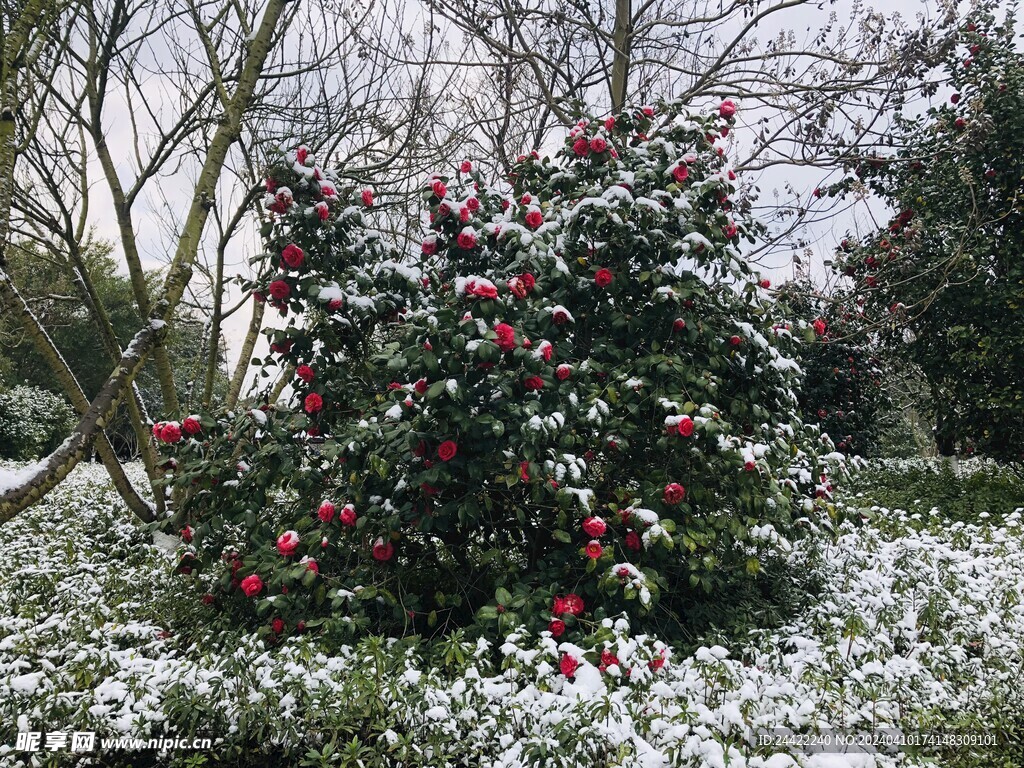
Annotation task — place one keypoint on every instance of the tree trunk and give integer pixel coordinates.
(251, 336)
(622, 38)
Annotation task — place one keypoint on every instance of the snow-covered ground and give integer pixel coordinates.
(918, 626)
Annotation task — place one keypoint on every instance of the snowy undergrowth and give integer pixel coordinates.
(918, 625)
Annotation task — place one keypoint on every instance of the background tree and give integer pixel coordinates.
(943, 282)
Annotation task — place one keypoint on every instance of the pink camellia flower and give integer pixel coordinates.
(313, 403)
(595, 527)
(439, 189)
(730, 230)
(466, 239)
(292, 256)
(603, 277)
(472, 204)
(556, 627)
(546, 350)
(305, 373)
(674, 493)
(506, 340)
(192, 425)
(446, 451)
(568, 665)
(383, 550)
(464, 214)
(534, 219)
(171, 432)
(609, 123)
(533, 383)
(633, 541)
(727, 108)
(819, 326)
(311, 564)
(280, 290)
(680, 173)
(466, 166)
(563, 372)
(367, 197)
(429, 246)
(573, 604)
(287, 543)
(348, 515)
(594, 549)
(647, 111)
(334, 305)
(581, 147)
(326, 511)
(598, 145)
(481, 287)
(301, 154)
(686, 426)
(322, 210)
(252, 585)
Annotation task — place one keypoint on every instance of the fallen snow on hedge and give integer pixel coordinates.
(915, 627)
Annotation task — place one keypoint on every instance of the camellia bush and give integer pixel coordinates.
(942, 282)
(842, 388)
(33, 422)
(575, 403)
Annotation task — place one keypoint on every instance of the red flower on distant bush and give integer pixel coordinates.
(595, 527)
(633, 541)
(439, 189)
(481, 287)
(367, 196)
(252, 585)
(581, 147)
(170, 433)
(533, 383)
(680, 173)
(313, 403)
(348, 515)
(556, 627)
(447, 450)
(534, 219)
(686, 426)
(506, 340)
(383, 550)
(287, 543)
(277, 626)
(819, 326)
(674, 493)
(326, 511)
(292, 256)
(727, 108)
(568, 665)
(594, 549)
(305, 373)
(598, 145)
(466, 239)
(280, 290)
(192, 425)
(603, 277)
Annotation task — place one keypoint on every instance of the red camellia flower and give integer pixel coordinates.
(292, 256)
(348, 515)
(560, 317)
(608, 659)
(466, 239)
(305, 373)
(326, 512)
(594, 549)
(421, 387)
(367, 196)
(686, 426)
(595, 527)
(730, 230)
(955, 98)
(603, 277)
(429, 246)
(674, 493)
(735, 340)
(727, 108)
(568, 665)
(633, 541)
(556, 627)
(819, 326)
(528, 280)
(534, 219)
(533, 383)
(313, 403)
(658, 661)
(581, 147)
(765, 283)
(187, 533)
(383, 550)
(597, 144)
(750, 466)
(287, 543)
(517, 287)
(312, 565)
(280, 290)
(252, 585)
(573, 604)
(439, 189)
(960, 122)
(466, 166)
(678, 324)
(171, 432)
(506, 340)
(277, 626)
(192, 425)
(322, 210)
(485, 289)
(680, 173)
(609, 123)
(563, 372)
(447, 450)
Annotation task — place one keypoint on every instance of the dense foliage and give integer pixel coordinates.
(33, 422)
(577, 404)
(842, 387)
(944, 281)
